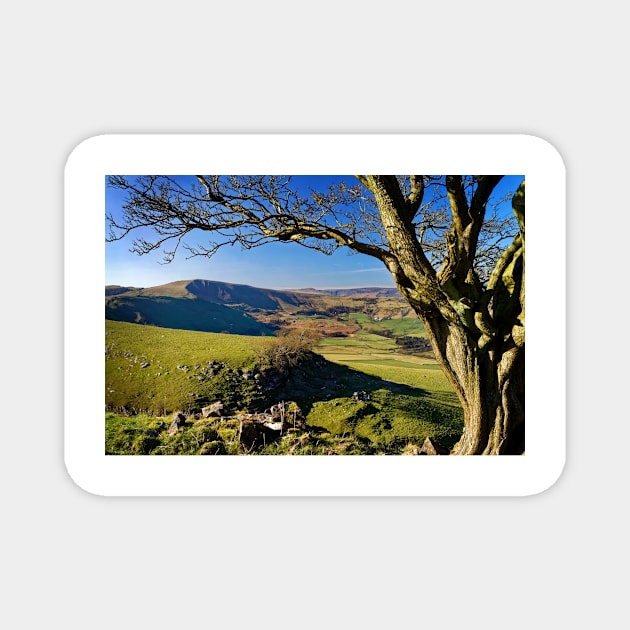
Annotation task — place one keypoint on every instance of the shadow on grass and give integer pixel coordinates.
(341, 399)
(319, 380)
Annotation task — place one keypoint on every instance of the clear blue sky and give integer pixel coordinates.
(272, 266)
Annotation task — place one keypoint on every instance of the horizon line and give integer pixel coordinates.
(285, 288)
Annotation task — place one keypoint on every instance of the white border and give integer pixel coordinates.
(305, 154)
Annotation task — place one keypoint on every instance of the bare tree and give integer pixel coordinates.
(456, 261)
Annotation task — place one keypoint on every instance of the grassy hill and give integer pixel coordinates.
(220, 293)
(160, 370)
(212, 306)
(181, 313)
(359, 292)
(156, 371)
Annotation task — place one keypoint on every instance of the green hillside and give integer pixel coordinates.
(252, 297)
(181, 313)
(159, 370)
(366, 399)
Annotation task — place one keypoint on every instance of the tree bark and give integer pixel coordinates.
(477, 334)
(490, 383)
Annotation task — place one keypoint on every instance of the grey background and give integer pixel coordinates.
(73, 70)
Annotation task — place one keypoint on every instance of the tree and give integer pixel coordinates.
(459, 264)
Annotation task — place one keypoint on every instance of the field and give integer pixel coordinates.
(358, 394)
(414, 396)
(161, 370)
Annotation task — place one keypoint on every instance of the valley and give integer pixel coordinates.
(365, 381)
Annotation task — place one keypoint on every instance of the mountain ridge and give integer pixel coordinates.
(217, 289)
(215, 306)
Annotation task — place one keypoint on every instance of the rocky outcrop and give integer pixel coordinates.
(179, 420)
(214, 410)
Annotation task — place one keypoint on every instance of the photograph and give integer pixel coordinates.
(315, 315)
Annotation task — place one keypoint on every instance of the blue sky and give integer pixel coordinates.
(273, 266)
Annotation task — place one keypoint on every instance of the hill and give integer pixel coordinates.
(201, 305)
(219, 293)
(359, 292)
(181, 313)
(368, 398)
(213, 306)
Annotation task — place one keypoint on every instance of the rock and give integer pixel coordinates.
(412, 449)
(254, 434)
(276, 411)
(145, 365)
(178, 421)
(214, 409)
(152, 432)
(274, 426)
(431, 447)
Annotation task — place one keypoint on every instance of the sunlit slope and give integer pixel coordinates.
(161, 370)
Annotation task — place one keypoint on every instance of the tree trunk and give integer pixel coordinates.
(477, 333)
(490, 383)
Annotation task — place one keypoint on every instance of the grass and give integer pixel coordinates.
(400, 326)
(147, 435)
(181, 313)
(156, 371)
(160, 370)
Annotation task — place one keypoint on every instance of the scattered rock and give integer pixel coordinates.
(214, 409)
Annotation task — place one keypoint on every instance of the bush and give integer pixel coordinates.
(292, 347)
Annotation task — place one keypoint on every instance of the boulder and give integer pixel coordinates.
(255, 434)
(214, 409)
(179, 420)
(431, 447)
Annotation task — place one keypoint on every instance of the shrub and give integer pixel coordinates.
(291, 347)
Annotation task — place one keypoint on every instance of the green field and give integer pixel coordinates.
(400, 326)
(154, 371)
(426, 404)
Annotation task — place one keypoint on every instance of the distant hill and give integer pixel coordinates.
(114, 289)
(219, 293)
(360, 292)
(213, 306)
(158, 308)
